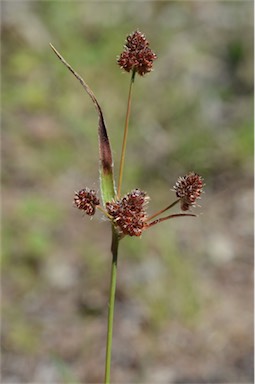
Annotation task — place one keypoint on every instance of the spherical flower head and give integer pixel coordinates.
(137, 56)
(189, 188)
(128, 214)
(86, 200)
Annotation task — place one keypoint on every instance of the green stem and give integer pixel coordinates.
(124, 143)
(114, 250)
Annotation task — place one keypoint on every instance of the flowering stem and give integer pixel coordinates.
(114, 249)
(124, 143)
(163, 210)
(169, 217)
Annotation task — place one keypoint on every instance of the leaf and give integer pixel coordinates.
(105, 154)
(106, 163)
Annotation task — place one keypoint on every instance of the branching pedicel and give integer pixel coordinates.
(127, 213)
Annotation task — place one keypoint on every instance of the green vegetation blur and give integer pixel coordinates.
(192, 113)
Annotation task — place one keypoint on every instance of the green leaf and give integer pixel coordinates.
(105, 154)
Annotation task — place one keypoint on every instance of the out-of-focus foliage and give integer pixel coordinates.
(184, 298)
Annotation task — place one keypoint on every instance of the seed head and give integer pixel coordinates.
(137, 55)
(86, 200)
(189, 188)
(129, 213)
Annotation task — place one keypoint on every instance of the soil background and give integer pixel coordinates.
(184, 302)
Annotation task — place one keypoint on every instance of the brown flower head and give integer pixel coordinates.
(86, 200)
(137, 55)
(129, 213)
(189, 188)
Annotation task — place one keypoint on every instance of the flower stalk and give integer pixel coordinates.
(124, 143)
(163, 210)
(161, 219)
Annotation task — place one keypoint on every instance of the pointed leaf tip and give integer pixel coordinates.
(105, 153)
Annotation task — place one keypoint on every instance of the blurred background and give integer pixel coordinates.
(184, 294)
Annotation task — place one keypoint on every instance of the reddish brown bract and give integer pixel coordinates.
(189, 188)
(137, 55)
(129, 213)
(86, 200)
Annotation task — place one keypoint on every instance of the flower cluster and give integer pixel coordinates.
(189, 188)
(86, 200)
(137, 56)
(129, 213)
